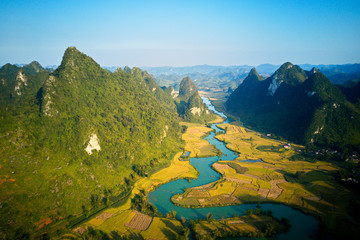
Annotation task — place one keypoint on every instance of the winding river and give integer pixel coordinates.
(303, 226)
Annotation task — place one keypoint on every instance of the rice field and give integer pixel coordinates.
(161, 228)
(194, 142)
(139, 222)
(237, 226)
(274, 179)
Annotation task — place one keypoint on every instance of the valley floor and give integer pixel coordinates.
(267, 171)
(126, 222)
(273, 174)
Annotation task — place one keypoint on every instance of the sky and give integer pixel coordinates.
(181, 33)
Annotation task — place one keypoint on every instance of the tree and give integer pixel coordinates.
(184, 234)
(248, 212)
(20, 233)
(257, 211)
(84, 210)
(270, 229)
(104, 199)
(171, 214)
(209, 216)
(183, 221)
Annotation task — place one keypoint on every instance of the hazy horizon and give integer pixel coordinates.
(122, 66)
(178, 34)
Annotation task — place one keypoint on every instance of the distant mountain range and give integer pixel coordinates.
(262, 69)
(231, 76)
(222, 78)
(302, 106)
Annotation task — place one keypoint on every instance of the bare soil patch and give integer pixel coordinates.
(198, 193)
(252, 176)
(80, 230)
(139, 222)
(275, 191)
(104, 216)
(44, 222)
(203, 186)
(235, 222)
(263, 192)
(220, 166)
(237, 180)
(275, 168)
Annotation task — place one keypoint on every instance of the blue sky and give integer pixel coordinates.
(181, 33)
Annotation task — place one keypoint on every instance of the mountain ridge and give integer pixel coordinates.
(301, 106)
(82, 135)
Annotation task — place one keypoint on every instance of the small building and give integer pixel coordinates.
(288, 145)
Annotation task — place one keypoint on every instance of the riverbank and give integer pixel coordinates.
(245, 181)
(252, 225)
(309, 186)
(117, 219)
(195, 142)
(161, 198)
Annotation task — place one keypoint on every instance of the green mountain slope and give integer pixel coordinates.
(187, 89)
(77, 141)
(189, 104)
(301, 106)
(146, 79)
(352, 93)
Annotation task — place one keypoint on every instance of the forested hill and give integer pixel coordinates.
(302, 106)
(190, 105)
(352, 93)
(73, 141)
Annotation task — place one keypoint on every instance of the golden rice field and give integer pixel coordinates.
(162, 228)
(252, 223)
(274, 180)
(194, 142)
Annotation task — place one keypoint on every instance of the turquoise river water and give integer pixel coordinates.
(303, 226)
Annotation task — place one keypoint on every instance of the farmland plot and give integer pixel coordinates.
(139, 222)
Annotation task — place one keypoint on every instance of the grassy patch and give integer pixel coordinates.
(272, 148)
(237, 167)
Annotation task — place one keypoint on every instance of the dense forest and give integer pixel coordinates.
(73, 141)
